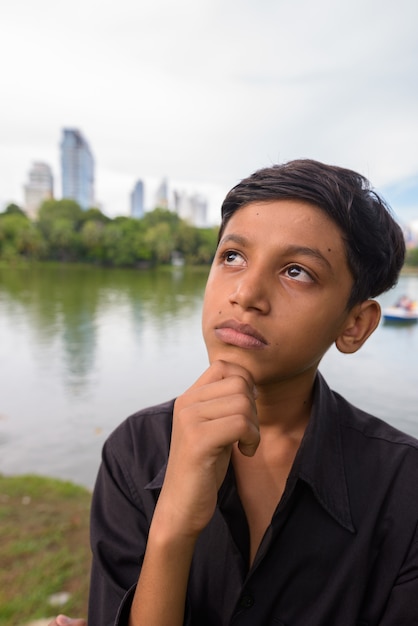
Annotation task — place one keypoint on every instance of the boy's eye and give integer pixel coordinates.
(296, 272)
(230, 257)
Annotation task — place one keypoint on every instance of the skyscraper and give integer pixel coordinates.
(77, 168)
(191, 207)
(39, 188)
(137, 200)
(161, 197)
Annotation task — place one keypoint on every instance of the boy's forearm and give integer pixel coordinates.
(209, 418)
(160, 595)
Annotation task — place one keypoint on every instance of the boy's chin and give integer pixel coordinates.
(233, 356)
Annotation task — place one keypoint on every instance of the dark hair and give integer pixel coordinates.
(374, 242)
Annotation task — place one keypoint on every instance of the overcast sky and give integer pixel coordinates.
(206, 91)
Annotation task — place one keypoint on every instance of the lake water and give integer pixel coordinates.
(82, 348)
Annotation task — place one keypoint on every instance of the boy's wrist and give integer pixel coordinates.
(167, 530)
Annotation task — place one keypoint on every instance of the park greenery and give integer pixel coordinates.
(412, 257)
(44, 548)
(64, 232)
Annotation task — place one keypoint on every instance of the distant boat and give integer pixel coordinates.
(405, 310)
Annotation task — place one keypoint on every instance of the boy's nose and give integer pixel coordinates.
(251, 292)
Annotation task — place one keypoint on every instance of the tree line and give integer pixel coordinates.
(64, 232)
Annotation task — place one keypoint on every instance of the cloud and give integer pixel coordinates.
(208, 92)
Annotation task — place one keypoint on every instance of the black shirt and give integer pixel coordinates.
(341, 550)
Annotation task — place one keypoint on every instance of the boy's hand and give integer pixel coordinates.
(215, 413)
(63, 620)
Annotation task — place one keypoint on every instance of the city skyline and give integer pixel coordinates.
(78, 183)
(402, 195)
(151, 191)
(188, 200)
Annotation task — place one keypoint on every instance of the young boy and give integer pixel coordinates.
(259, 496)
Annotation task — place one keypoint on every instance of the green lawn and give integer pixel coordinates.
(44, 548)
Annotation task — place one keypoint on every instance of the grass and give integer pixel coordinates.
(44, 548)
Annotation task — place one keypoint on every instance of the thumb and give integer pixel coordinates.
(249, 445)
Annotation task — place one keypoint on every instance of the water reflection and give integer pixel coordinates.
(82, 348)
(67, 307)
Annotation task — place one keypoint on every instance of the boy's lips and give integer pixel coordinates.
(241, 335)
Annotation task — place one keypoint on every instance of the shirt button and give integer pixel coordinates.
(246, 601)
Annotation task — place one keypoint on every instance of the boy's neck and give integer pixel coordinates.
(286, 407)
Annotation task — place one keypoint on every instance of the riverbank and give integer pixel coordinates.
(44, 549)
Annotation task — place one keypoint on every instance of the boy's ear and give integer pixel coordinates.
(362, 320)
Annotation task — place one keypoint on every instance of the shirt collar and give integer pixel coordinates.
(319, 461)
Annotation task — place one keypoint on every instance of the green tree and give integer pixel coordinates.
(412, 257)
(159, 240)
(64, 232)
(19, 237)
(208, 241)
(186, 240)
(52, 210)
(197, 245)
(13, 209)
(59, 222)
(92, 235)
(158, 216)
(124, 242)
(95, 215)
(92, 241)
(63, 240)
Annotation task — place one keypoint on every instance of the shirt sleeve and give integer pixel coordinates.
(118, 529)
(121, 515)
(402, 607)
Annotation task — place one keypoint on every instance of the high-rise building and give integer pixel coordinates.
(137, 200)
(40, 187)
(77, 168)
(191, 207)
(161, 197)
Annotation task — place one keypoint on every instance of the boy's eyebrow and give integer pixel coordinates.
(235, 239)
(291, 249)
(312, 252)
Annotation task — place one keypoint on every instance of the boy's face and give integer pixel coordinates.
(277, 291)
